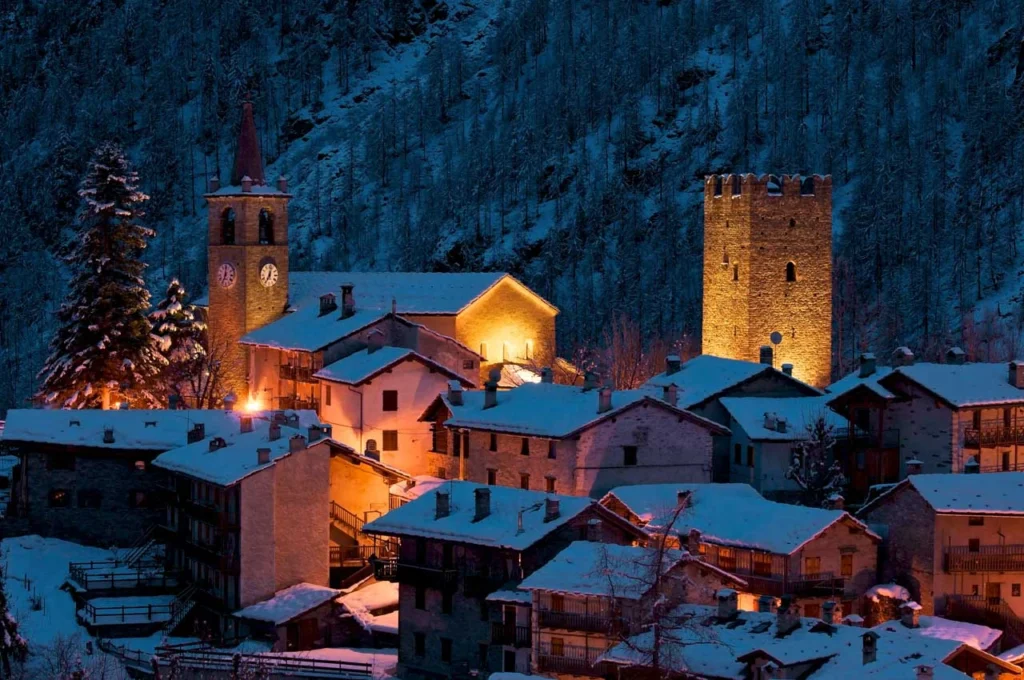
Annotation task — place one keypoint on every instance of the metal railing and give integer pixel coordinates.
(886, 439)
(339, 554)
(563, 620)
(149, 574)
(348, 519)
(511, 634)
(391, 569)
(568, 659)
(992, 433)
(302, 374)
(994, 612)
(209, 659)
(298, 404)
(985, 558)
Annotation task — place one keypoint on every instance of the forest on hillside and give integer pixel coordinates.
(564, 141)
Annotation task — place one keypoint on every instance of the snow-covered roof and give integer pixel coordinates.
(729, 514)
(374, 606)
(998, 493)
(415, 487)
(971, 634)
(289, 603)
(306, 330)
(961, 385)
(550, 410)
(707, 376)
(890, 590)
(510, 596)
(138, 430)
(361, 366)
(853, 380)
(239, 458)
(499, 529)
(800, 413)
(602, 569)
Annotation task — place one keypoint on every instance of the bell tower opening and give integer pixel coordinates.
(227, 227)
(266, 227)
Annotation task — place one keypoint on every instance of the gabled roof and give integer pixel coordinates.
(551, 410)
(854, 380)
(998, 493)
(959, 385)
(799, 412)
(499, 529)
(730, 514)
(706, 376)
(361, 367)
(307, 331)
(288, 604)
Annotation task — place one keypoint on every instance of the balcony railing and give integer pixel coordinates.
(593, 623)
(568, 659)
(985, 558)
(993, 433)
(415, 574)
(819, 583)
(303, 374)
(482, 582)
(990, 611)
(510, 634)
(298, 404)
(886, 439)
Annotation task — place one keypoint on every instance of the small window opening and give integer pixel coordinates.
(227, 227)
(790, 272)
(718, 188)
(807, 186)
(266, 228)
(735, 272)
(737, 185)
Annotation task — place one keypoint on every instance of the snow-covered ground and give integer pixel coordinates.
(384, 661)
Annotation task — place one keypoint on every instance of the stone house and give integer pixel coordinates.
(462, 543)
(568, 439)
(957, 543)
(298, 618)
(242, 509)
(593, 595)
(811, 554)
(86, 475)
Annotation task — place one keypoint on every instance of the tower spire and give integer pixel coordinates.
(248, 162)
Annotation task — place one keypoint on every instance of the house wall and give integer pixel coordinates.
(910, 543)
(926, 430)
(258, 553)
(359, 488)
(302, 517)
(509, 463)
(840, 538)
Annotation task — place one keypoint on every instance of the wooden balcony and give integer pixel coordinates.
(993, 433)
(569, 659)
(987, 558)
(302, 374)
(415, 574)
(511, 635)
(592, 623)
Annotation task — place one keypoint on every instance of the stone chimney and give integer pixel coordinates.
(443, 505)
(482, 497)
(683, 498)
(902, 356)
(197, 433)
(245, 423)
(787, 369)
(275, 432)
(217, 443)
(924, 672)
(552, 509)
(767, 356)
(374, 341)
(604, 399)
(672, 364)
(770, 421)
(371, 451)
(214, 184)
(455, 393)
(296, 443)
(348, 301)
(1017, 373)
(229, 401)
(913, 466)
(328, 303)
(836, 502)
(282, 184)
(830, 612)
(108, 435)
(262, 456)
(491, 389)
(867, 364)
(693, 540)
(972, 467)
(910, 614)
(247, 184)
(787, 619)
(781, 425)
(728, 602)
(766, 604)
(670, 393)
(956, 356)
(869, 647)
(547, 376)
(314, 433)
(853, 620)
(589, 381)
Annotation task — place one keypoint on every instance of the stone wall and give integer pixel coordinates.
(302, 517)
(257, 552)
(845, 537)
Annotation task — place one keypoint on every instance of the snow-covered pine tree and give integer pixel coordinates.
(102, 351)
(814, 467)
(12, 645)
(180, 334)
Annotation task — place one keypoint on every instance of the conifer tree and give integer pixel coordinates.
(180, 334)
(814, 467)
(103, 351)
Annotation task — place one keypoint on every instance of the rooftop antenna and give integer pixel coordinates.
(776, 338)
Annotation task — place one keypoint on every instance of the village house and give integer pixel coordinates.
(811, 554)
(593, 595)
(569, 439)
(86, 475)
(461, 543)
(957, 543)
(298, 618)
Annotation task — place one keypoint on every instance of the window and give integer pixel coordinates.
(735, 272)
(327, 395)
(976, 416)
(629, 455)
(976, 521)
(737, 454)
(60, 461)
(762, 564)
(137, 499)
(456, 444)
(420, 642)
(1007, 417)
(807, 186)
(421, 551)
(974, 589)
(421, 597)
(974, 545)
(1006, 461)
(790, 272)
(552, 449)
(726, 558)
(557, 646)
(446, 650)
(846, 564)
(465, 445)
(750, 456)
(390, 400)
(266, 228)
(718, 186)
(446, 601)
(390, 440)
(737, 185)
(524, 447)
(549, 484)
(227, 227)
(494, 442)
(468, 364)
(492, 476)
(1015, 589)
(59, 498)
(812, 566)
(89, 498)
(557, 603)
(524, 481)
(508, 659)
(447, 555)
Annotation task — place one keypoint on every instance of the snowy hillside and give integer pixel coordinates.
(564, 141)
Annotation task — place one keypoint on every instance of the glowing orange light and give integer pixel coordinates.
(253, 405)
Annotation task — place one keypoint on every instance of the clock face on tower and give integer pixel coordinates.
(226, 275)
(268, 274)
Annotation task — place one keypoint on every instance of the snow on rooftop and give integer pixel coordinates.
(144, 430)
(510, 596)
(800, 413)
(601, 569)
(374, 607)
(412, 489)
(705, 376)
(306, 330)
(971, 634)
(995, 493)
(729, 514)
(854, 379)
(890, 590)
(239, 458)
(964, 384)
(289, 603)
(357, 367)
(498, 529)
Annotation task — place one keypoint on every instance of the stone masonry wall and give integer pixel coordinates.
(302, 525)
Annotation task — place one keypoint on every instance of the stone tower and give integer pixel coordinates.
(768, 268)
(248, 256)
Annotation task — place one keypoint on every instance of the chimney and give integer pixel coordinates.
(217, 443)
(482, 496)
(853, 620)
(767, 356)
(394, 306)
(552, 511)
(924, 672)
(972, 467)
(197, 433)
(246, 424)
(108, 435)
(693, 540)
(262, 456)
(282, 184)
(787, 369)
(348, 301)
(682, 498)
(491, 389)
(275, 432)
(867, 364)
(455, 393)
(229, 401)
(172, 402)
(830, 613)
(589, 381)
(1017, 374)
(670, 393)
(214, 184)
(672, 364)
(728, 602)
(604, 399)
(328, 303)
(770, 421)
(292, 420)
(279, 417)
(913, 466)
(443, 507)
(766, 604)
(910, 614)
(787, 619)
(869, 647)
(955, 356)
(547, 375)
(836, 502)
(902, 356)
(374, 341)
(314, 433)
(372, 452)
(296, 443)
(781, 425)
(247, 184)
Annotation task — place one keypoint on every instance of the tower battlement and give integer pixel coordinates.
(749, 184)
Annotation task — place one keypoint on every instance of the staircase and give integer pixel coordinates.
(346, 520)
(988, 611)
(183, 604)
(140, 548)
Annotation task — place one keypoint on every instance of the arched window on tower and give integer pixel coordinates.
(266, 226)
(227, 227)
(737, 185)
(790, 272)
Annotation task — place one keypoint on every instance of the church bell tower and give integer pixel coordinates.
(248, 256)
